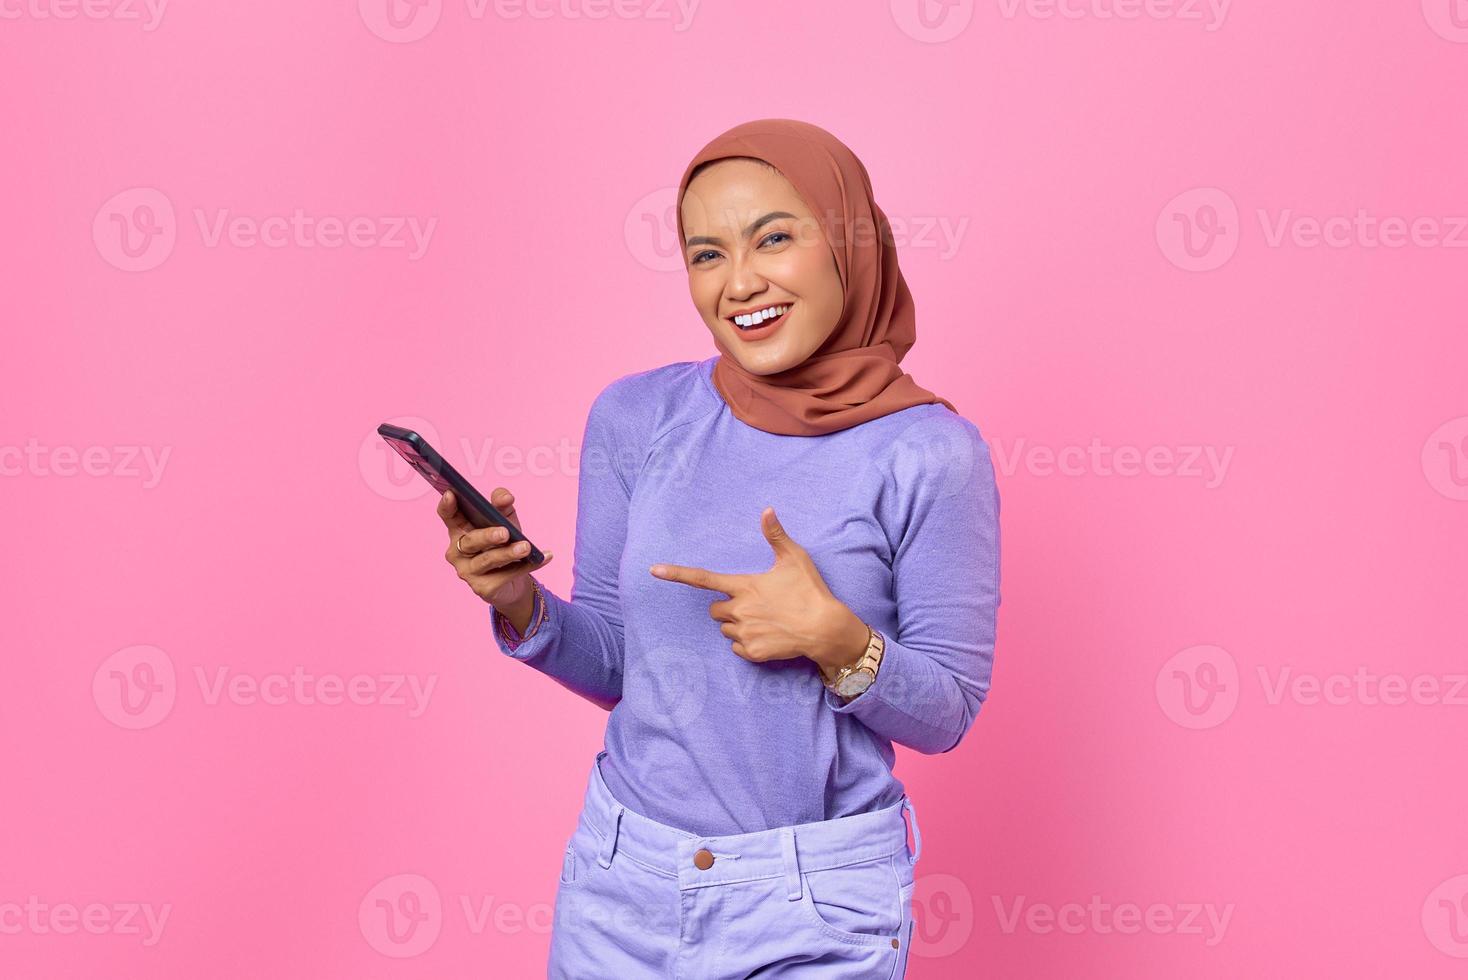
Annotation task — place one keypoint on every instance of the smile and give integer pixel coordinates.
(760, 323)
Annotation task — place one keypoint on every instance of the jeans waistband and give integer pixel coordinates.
(778, 852)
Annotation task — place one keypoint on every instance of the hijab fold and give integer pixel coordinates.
(853, 377)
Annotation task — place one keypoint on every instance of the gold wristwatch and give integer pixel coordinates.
(856, 677)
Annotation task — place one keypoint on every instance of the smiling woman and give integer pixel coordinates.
(773, 275)
(838, 529)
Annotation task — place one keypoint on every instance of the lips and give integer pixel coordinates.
(766, 328)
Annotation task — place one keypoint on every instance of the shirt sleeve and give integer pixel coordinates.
(580, 642)
(935, 672)
(511, 636)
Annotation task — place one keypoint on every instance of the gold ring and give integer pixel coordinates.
(459, 544)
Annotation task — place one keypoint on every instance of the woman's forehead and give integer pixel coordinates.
(733, 199)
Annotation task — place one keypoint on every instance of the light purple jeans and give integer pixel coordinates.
(638, 898)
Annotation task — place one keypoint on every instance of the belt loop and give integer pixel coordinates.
(917, 835)
(609, 846)
(793, 884)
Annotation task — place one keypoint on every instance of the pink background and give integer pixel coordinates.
(1113, 188)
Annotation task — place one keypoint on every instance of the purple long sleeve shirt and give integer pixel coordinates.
(901, 517)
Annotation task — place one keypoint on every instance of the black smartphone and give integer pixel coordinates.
(436, 470)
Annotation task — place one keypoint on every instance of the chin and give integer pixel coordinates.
(765, 362)
(766, 359)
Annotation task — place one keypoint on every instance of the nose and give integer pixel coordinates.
(744, 279)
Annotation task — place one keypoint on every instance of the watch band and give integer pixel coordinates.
(869, 661)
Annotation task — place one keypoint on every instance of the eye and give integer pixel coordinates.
(773, 235)
(698, 258)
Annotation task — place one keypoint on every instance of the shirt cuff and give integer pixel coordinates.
(886, 672)
(540, 637)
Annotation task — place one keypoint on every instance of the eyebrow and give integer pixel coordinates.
(753, 227)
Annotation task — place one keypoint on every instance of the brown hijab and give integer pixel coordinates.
(853, 376)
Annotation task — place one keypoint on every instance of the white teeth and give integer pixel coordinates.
(754, 319)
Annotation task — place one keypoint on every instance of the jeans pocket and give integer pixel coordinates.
(858, 903)
(906, 931)
(573, 865)
(568, 865)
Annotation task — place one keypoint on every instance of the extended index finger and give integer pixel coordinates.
(699, 578)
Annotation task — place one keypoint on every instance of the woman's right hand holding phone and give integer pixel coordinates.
(496, 571)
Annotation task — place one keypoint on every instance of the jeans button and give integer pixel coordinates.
(703, 859)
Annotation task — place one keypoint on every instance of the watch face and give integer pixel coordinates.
(855, 682)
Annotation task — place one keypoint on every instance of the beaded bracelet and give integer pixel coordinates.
(537, 616)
